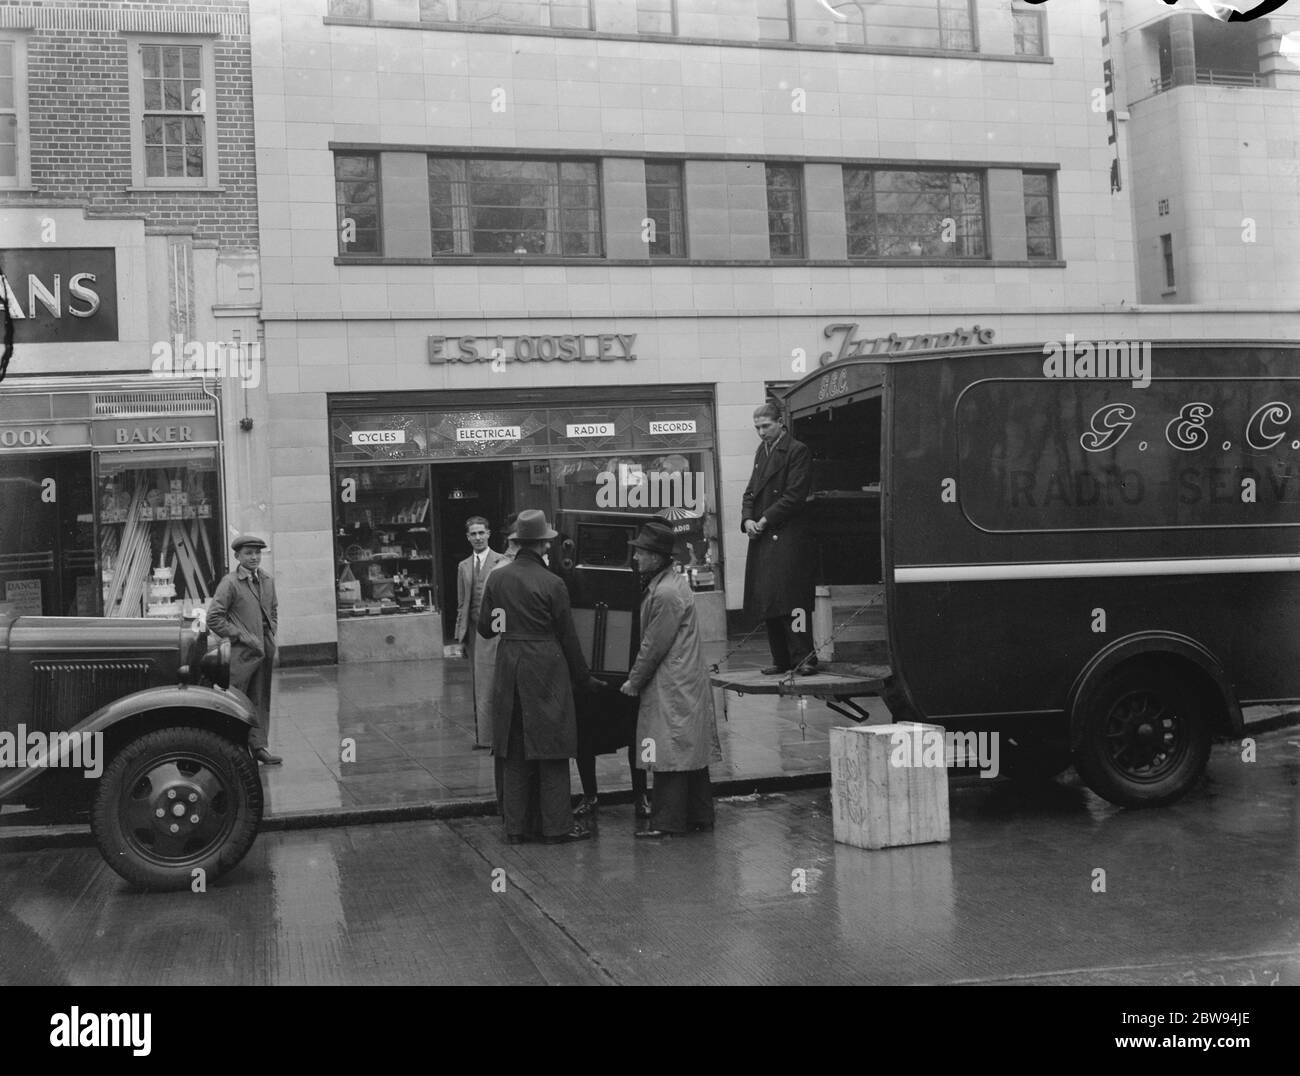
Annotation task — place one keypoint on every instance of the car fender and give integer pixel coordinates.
(1149, 642)
(228, 703)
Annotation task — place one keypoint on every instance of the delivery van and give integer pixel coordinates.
(1091, 546)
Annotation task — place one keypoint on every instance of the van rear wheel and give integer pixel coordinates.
(1146, 737)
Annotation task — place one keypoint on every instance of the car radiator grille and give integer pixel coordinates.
(66, 692)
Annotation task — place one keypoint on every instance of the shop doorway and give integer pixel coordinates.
(462, 490)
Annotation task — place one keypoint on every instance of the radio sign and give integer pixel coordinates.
(379, 437)
(64, 295)
(590, 429)
(488, 433)
(664, 429)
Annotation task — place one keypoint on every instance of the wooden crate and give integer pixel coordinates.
(877, 804)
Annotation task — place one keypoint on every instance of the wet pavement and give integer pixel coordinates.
(1206, 891)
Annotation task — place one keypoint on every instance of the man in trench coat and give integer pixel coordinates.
(471, 575)
(244, 610)
(538, 663)
(676, 713)
(780, 568)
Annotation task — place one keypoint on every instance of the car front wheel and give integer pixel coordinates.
(174, 802)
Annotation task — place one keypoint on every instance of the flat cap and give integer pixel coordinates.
(247, 539)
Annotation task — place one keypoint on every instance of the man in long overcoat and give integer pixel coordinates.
(245, 611)
(676, 713)
(780, 568)
(471, 575)
(538, 663)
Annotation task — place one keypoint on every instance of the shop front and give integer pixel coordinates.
(112, 495)
(408, 470)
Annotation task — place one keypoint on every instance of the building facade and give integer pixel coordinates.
(128, 244)
(527, 254)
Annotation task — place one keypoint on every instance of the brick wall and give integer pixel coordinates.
(79, 113)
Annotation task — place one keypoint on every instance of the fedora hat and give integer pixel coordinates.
(655, 537)
(247, 539)
(531, 526)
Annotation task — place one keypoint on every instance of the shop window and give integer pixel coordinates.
(384, 540)
(656, 17)
(1040, 216)
(173, 127)
(785, 210)
(514, 206)
(356, 197)
(1027, 26)
(15, 162)
(912, 24)
(161, 543)
(935, 213)
(666, 207)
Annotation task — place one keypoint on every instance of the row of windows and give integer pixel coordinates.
(173, 136)
(485, 206)
(922, 24)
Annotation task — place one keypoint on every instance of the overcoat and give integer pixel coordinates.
(780, 565)
(236, 613)
(538, 656)
(670, 676)
(465, 587)
(485, 663)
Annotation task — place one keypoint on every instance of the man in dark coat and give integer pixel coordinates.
(244, 610)
(780, 568)
(538, 662)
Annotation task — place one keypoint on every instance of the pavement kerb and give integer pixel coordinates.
(33, 838)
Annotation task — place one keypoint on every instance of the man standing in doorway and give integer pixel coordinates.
(471, 573)
(780, 569)
(244, 610)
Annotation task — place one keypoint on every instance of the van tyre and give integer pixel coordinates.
(175, 801)
(1146, 737)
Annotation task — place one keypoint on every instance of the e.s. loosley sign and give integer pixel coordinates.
(568, 347)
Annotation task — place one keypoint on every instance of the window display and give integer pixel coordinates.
(384, 541)
(159, 532)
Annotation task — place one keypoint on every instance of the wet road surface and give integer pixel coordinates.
(1203, 892)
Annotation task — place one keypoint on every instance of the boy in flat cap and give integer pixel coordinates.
(244, 610)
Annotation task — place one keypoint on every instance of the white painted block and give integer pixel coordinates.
(885, 792)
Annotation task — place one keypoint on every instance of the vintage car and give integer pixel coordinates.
(135, 721)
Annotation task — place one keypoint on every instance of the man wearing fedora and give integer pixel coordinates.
(244, 610)
(676, 714)
(538, 663)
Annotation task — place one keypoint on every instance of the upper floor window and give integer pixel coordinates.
(665, 207)
(774, 20)
(350, 9)
(356, 196)
(1027, 25)
(15, 169)
(655, 17)
(173, 129)
(514, 206)
(785, 210)
(936, 213)
(556, 14)
(1040, 217)
(913, 24)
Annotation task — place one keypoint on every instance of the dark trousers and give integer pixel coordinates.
(789, 647)
(683, 798)
(258, 689)
(587, 773)
(533, 791)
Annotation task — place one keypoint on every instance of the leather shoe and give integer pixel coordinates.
(266, 758)
(577, 833)
(586, 808)
(774, 670)
(643, 805)
(653, 834)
